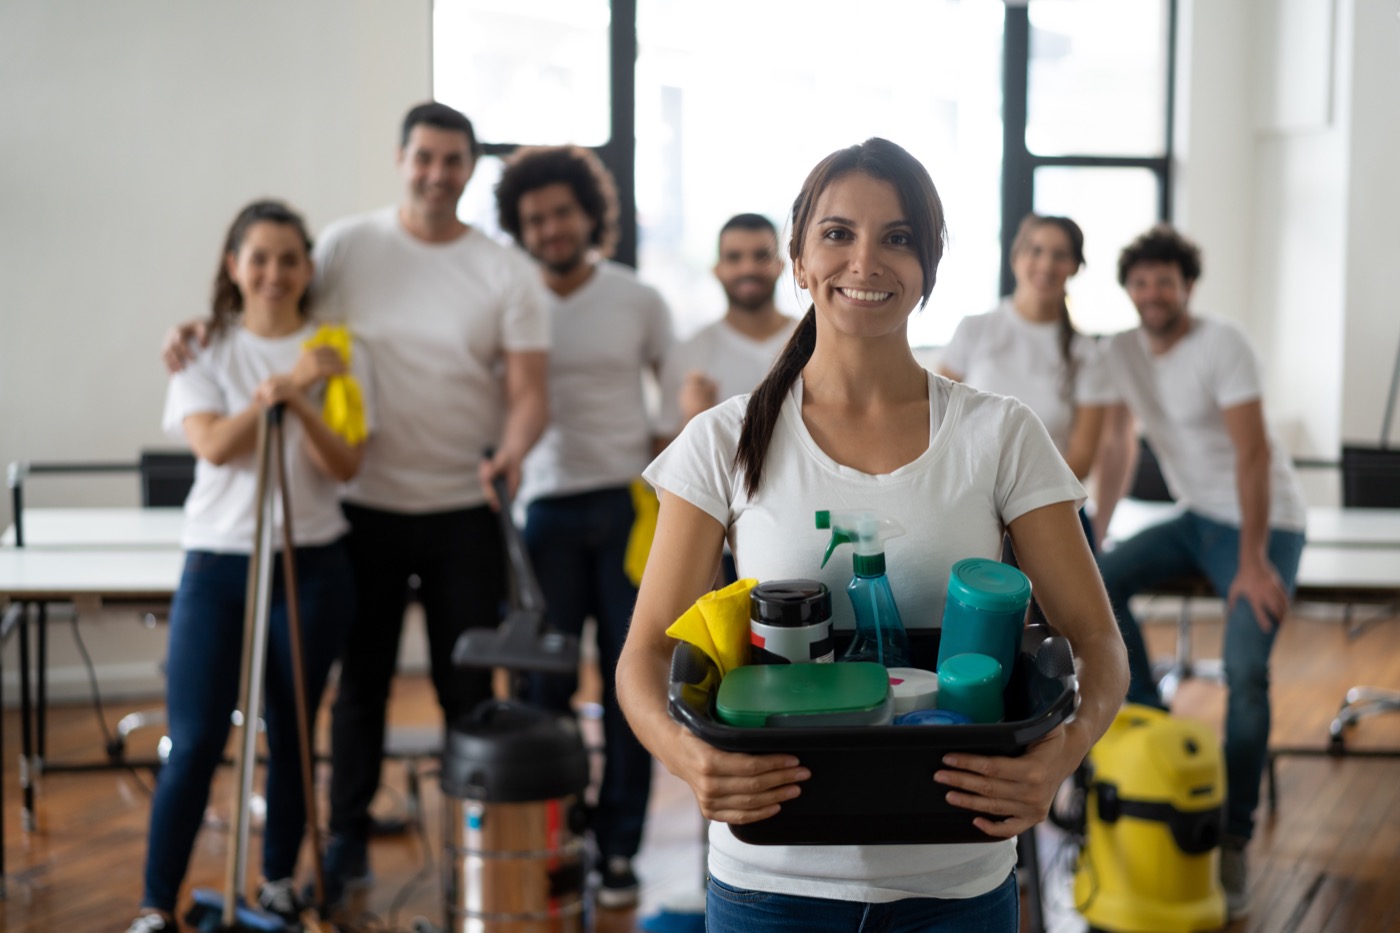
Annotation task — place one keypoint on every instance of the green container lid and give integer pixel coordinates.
(989, 585)
(817, 694)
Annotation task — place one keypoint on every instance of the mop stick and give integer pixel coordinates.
(255, 623)
(289, 574)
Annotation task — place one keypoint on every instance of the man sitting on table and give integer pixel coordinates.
(1194, 384)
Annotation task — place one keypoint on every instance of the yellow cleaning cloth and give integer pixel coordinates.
(645, 505)
(344, 408)
(718, 624)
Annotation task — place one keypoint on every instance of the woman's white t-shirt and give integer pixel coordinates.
(988, 462)
(220, 513)
(1002, 352)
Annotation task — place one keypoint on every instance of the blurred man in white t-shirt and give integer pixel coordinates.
(1194, 385)
(611, 332)
(731, 356)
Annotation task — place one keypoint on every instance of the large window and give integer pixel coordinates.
(1060, 106)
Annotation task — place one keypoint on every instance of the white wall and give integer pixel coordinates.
(132, 134)
(1290, 136)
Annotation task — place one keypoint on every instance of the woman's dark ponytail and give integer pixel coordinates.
(767, 401)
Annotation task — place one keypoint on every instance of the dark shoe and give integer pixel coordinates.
(619, 888)
(280, 898)
(346, 866)
(1234, 876)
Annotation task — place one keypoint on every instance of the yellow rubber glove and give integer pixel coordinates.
(645, 505)
(344, 407)
(718, 624)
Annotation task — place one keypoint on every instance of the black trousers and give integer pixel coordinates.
(459, 559)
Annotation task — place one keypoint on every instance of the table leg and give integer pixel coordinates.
(41, 709)
(26, 723)
(13, 616)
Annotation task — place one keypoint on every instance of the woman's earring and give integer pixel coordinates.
(802, 283)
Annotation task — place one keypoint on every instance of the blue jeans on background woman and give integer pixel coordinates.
(203, 676)
(1191, 543)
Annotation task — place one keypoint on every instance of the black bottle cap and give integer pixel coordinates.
(790, 603)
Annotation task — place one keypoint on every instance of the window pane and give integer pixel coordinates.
(1111, 206)
(736, 101)
(525, 71)
(478, 204)
(1097, 77)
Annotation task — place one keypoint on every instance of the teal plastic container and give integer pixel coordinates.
(854, 694)
(985, 612)
(971, 684)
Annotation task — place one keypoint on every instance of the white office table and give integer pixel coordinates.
(90, 558)
(118, 529)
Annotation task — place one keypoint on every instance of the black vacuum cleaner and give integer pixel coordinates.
(227, 910)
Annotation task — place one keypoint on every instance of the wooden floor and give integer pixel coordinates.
(1324, 862)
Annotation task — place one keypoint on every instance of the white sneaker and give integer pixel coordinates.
(1234, 877)
(151, 923)
(280, 897)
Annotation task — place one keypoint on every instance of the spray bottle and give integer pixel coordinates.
(880, 634)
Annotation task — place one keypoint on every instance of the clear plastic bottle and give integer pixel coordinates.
(880, 634)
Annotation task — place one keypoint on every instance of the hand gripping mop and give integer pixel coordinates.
(227, 910)
(521, 643)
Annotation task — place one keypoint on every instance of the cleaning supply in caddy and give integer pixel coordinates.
(913, 688)
(932, 717)
(718, 624)
(781, 695)
(985, 612)
(880, 634)
(971, 684)
(790, 623)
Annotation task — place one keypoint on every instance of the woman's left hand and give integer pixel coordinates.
(277, 390)
(1014, 793)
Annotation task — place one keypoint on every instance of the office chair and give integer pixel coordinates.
(1149, 485)
(1370, 480)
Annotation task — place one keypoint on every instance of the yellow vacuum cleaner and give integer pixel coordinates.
(1154, 816)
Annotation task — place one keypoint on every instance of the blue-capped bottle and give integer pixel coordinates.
(880, 634)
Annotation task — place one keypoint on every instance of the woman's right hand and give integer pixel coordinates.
(732, 787)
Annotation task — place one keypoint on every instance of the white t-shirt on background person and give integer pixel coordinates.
(1002, 352)
(736, 362)
(221, 510)
(1180, 398)
(606, 335)
(989, 461)
(437, 318)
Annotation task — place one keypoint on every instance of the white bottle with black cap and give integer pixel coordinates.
(790, 623)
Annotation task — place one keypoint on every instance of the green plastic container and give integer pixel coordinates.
(847, 694)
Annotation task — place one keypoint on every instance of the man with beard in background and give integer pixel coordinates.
(731, 356)
(610, 331)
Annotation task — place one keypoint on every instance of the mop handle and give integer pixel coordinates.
(289, 582)
(256, 612)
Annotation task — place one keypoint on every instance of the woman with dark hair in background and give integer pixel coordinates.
(848, 418)
(1027, 346)
(256, 358)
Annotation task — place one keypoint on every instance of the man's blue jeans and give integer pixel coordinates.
(1192, 543)
(738, 910)
(577, 544)
(203, 673)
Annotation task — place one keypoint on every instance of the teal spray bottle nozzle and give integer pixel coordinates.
(880, 634)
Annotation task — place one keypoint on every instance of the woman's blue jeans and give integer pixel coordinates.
(736, 910)
(1192, 543)
(203, 675)
(577, 544)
